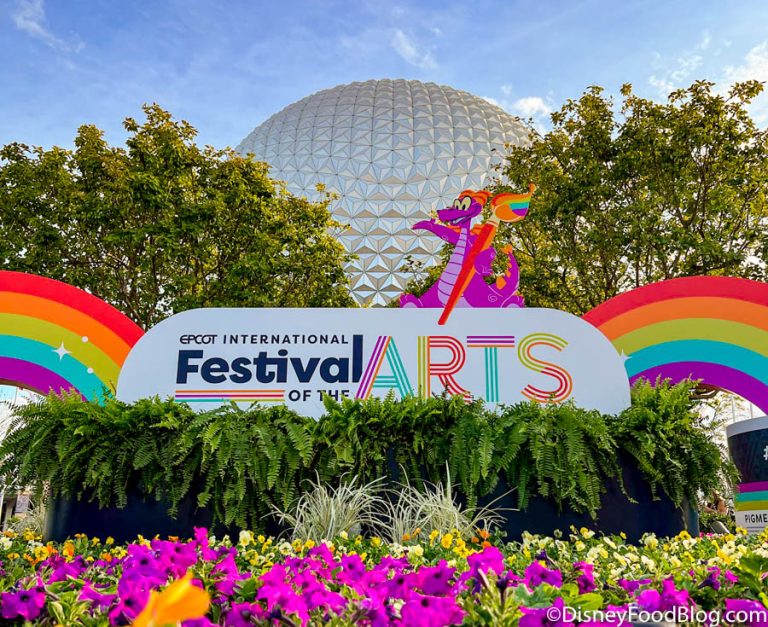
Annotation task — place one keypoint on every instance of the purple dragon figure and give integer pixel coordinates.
(457, 230)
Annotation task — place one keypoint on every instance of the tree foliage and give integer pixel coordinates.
(163, 225)
(639, 193)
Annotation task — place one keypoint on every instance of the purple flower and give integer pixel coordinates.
(375, 612)
(322, 552)
(426, 610)
(667, 599)
(99, 600)
(353, 569)
(133, 594)
(490, 559)
(26, 604)
(198, 622)
(241, 614)
(752, 613)
(712, 580)
(731, 577)
(176, 557)
(227, 574)
(586, 580)
(280, 595)
(632, 585)
(201, 540)
(399, 586)
(552, 616)
(435, 579)
(537, 574)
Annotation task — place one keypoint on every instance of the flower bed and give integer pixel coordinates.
(426, 580)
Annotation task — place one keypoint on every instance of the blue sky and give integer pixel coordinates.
(225, 66)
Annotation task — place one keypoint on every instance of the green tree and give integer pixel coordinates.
(638, 194)
(162, 225)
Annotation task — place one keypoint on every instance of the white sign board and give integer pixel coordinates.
(208, 357)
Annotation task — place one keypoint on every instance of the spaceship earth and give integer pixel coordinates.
(393, 151)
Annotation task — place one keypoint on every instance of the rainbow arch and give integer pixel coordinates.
(57, 338)
(714, 329)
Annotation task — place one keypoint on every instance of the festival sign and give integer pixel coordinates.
(208, 357)
(748, 446)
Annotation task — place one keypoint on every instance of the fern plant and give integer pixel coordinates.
(672, 444)
(243, 463)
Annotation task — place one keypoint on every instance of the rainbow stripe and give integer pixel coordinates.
(224, 396)
(713, 329)
(512, 207)
(57, 338)
(751, 496)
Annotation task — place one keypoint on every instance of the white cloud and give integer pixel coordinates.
(531, 106)
(754, 67)
(534, 108)
(674, 74)
(418, 56)
(29, 17)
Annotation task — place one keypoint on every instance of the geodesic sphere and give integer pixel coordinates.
(393, 150)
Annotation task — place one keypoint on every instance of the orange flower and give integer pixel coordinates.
(178, 602)
(486, 544)
(484, 534)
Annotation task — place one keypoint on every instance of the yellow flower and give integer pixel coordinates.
(246, 538)
(13, 556)
(683, 535)
(447, 541)
(417, 531)
(95, 541)
(309, 544)
(416, 550)
(580, 546)
(178, 602)
(406, 537)
(376, 542)
(109, 541)
(261, 539)
(29, 535)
